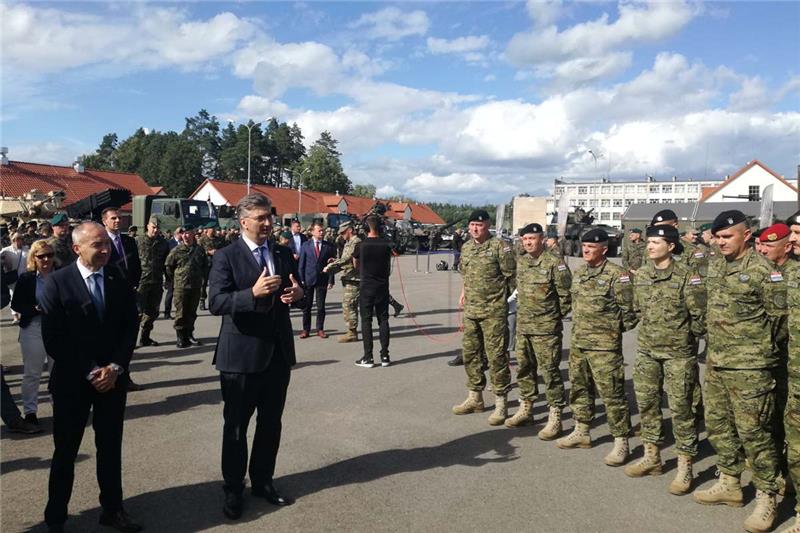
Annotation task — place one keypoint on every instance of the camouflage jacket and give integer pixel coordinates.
(793, 308)
(543, 296)
(63, 250)
(152, 254)
(633, 254)
(602, 307)
(345, 262)
(186, 266)
(671, 306)
(557, 252)
(488, 272)
(745, 299)
(780, 336)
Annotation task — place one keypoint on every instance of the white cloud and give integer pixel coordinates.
(587, 69)
(460, 45)
(544, 12)
(392, 24)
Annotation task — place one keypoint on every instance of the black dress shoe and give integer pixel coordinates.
(119, 520)
(134, 387)
(456, 361)
(269, 493)
(31, 418)
(147, 341)
(233, 505)
(194, 341)
(183, 340)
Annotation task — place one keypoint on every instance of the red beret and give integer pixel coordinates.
(774, 233)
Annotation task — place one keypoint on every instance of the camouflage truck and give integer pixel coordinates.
(578, 223)
(172, 212)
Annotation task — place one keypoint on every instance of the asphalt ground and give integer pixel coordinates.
(362, 449)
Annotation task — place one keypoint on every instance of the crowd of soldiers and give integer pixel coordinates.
(736, 289)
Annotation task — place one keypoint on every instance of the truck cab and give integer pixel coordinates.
(172, 212)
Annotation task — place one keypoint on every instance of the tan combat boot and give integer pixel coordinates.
(579, 438)
(726, 491)
(649, 464)
(500, 413)
(523, 416)
(683, 477)
(793, 528)
(553, 427)
(473, 404)
(619, 453)
(762, 517)
(350, 336)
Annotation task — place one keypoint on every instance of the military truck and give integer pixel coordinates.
(578, 223)
(172, 212)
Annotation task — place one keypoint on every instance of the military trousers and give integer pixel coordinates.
(489, 336)
(781, 399)
(740, 414)
(204, 286)
(186, 302)
(679, 382)
(603, 370)
(350, 305)
(791, 423)
(540, 353)
(149, 300)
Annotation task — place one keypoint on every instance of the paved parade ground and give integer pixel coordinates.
(362, 449)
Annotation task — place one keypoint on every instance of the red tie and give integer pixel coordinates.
(316, 248)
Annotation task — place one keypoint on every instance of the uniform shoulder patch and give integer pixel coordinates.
(699, 255)
(695, 280)
(562, 266)
(775, 276)
(624, 278)
(506, 249)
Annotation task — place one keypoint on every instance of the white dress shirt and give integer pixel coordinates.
(101, 281)
(254, 250)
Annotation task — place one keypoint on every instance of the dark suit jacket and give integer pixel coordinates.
(251, 328)
(24, 299)
(75, 337)
(292, 246)
(310, 266)
(134, 270)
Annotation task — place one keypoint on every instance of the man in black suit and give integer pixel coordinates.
(252, 284)
(297, 240)
(89, 330)
(315, 254)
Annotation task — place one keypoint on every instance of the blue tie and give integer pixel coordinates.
(96, 294)
(262, 255)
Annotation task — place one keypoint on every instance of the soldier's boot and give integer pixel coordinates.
(203, 304)
(553, 427)
(763, 516)
(683, 477)
(183, 342)
(473, 404)
(726, 491)
(145, 340)
(500, 413)
(398, 308)
(523, 416)
(648, 465)
(579, 438)
(793, 528)
(350, 336)
(619, 453)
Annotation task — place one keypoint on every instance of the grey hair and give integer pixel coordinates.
(252, 202)
(80, 231)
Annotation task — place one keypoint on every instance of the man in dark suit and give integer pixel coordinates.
(89, 330)
(315, 254)
(297, 240)
(174, 241)
(252, 284)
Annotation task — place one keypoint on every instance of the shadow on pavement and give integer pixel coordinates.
(33, 463)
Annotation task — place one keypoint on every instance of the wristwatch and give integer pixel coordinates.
(118, 369)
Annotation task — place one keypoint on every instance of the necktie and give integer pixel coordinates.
(316, 248)
(97, 294)
(121, 250)
(262, 255)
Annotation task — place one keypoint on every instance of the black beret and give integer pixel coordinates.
(479, 215)
(595, 235)
(666, 232)
(665, 215)
(726, 219)
(530, 228)
(793, 220)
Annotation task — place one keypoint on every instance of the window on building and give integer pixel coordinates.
(679, 189)
(593, 189)
(617, 202)
(617, 189)
(581, 203)
(653, 200)
(628, 202)
(559, 190)
(754, 193)
(581, 190)
(654, 189)
(666, 189)
(691, 188)
(630, 189)
(617, 216)
(605, 216)
(605, 203)
(605, 189)
(573, 202)
(592, 203)
(641, 189)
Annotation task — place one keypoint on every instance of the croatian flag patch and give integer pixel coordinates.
(776, 276)
(695, 280)
(624, 278)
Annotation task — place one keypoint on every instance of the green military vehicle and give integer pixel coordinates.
(578, 223)
(172, 212)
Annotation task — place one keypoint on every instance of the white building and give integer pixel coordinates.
(748, 183)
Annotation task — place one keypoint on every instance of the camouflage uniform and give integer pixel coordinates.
(744, 300)
(350, 282)
(602, 308)
(488, 271)
(152, 254)
(792, 413)
(633, 254)
(208, 244)
(63, 250)
(671, 306)
(543, 299)
(185, 266)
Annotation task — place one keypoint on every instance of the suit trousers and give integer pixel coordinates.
(320, 293)
(70, 413)
(242, 395)
(374, 301)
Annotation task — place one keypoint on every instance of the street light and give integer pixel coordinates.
(249, 127)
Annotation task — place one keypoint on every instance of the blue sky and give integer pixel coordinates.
(456, 101)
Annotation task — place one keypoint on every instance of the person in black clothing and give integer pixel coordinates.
(458, 242)
(373, 259)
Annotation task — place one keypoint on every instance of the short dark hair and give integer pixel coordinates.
(106, 211)
(373, 221)
(251, 202)
(317, 223)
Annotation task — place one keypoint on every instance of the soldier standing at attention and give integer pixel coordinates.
(744, 301)
(543, 299)
(634, 251)
(153, 251)
(350, 280)
(687, 252)
(487, 265)
(791, 417)
(61, 241)
(602, 308)
(670, 301)
(186, 265)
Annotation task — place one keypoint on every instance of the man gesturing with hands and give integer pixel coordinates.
(251, 285)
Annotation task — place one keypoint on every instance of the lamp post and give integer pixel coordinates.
(249, 144)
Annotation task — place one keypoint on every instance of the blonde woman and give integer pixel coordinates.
(27, 295)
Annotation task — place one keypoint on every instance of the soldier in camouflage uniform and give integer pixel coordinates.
(61, 241)
(185, 267)
(153, 251)
(350, 280)
(543, 299)
(634, 251)
(745, 298)
(670, 301)
(210, 242)
(487, 265)
(792, 412)
(602, 308)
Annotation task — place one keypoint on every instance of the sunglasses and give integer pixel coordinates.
(45, 256)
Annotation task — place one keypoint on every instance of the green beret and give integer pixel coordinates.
(636, 230)
(59, 218)
(705, 227)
